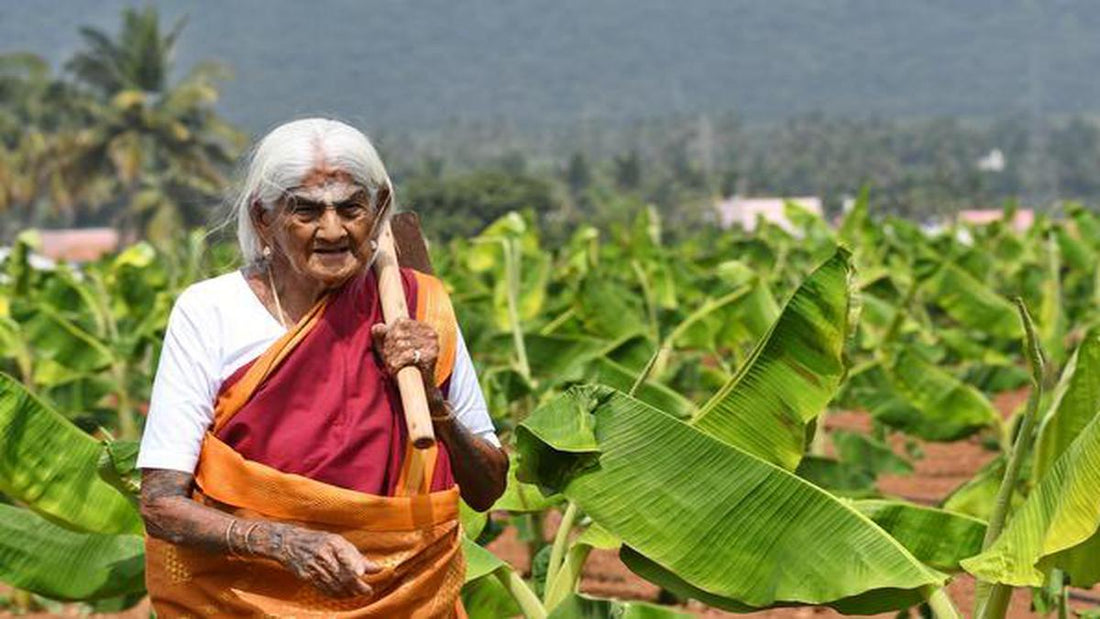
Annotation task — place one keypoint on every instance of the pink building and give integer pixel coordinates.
(1023, 219)
(78, 244)
(744, 212)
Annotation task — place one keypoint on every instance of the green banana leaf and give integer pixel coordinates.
(54, 337)
(937, 537)
(840, 478)
(857, 230)
(1078, 255)
(1061, 513)
(606, 372)
(1075, 402)
(791, 375)
(486, 598)
(977, 495)
(1052, 319)
(558, 357)
(479, 561)
(39, 556)
(972, 303)
(609, 310)
(520, 497)
(51, 466)
(931, 403)
(473, 521)
(719, 519)
(868, 453)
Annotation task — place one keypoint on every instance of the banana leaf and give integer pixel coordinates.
(1060, 515)
(791, 375)
(521, 497)
(931, 403)
(977, 495)
(473, 521)
(607, 372)
(51, 466)
(479, 561)
(972, 303)
(840, 478)
(39, 556)
(1075, 402)
(486, 598)
(1052, 319)
(868, 453)
(937, 537)
(607, 309)
(558, 357)
(721, 520)
(54, 337)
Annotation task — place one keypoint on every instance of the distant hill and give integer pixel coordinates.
(418, 65)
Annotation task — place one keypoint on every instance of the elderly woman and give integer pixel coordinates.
(278, 478)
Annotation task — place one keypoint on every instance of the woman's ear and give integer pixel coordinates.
(261, 220)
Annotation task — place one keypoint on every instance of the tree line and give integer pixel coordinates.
(110, 139)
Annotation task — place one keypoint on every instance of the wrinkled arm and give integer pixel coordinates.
(328, 561)
(480, 467)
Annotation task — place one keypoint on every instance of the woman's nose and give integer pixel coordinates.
(330, 225)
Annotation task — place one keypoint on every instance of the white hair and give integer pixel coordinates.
(290, 152)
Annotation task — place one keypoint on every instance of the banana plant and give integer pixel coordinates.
(661, 486)
(71, 535)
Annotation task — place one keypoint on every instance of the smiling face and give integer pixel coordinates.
(321, 229)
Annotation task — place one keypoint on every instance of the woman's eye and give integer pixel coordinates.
(308, 213)
(352, 211)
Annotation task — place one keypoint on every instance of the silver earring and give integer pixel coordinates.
(373, 245)
(267, 252)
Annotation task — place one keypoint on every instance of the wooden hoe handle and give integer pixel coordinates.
(409, 382)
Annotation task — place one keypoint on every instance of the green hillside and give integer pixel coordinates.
(405, 65)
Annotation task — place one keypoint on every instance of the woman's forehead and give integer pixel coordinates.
(326, 186)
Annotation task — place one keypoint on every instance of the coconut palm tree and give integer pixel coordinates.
(161, 144)
(38, 116)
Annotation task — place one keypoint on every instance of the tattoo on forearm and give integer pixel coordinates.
(479, 467)
(325, 560)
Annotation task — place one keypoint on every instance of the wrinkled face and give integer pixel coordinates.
(322, 228)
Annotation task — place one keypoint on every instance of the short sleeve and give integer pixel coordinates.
(182, 404)
(466, 398)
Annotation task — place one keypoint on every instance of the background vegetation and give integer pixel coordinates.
(124, 125)
(615, 329)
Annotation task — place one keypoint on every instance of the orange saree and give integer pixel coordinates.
(412, 533)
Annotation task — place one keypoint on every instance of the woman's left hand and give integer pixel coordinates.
(407, 342)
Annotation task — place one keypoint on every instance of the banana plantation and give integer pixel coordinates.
(666, 402)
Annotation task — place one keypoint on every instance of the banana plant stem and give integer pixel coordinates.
(940, 603)
(647, 294)
(511, 273)
(991, 600)
(557, 551)
(562, 318)
(528, 602)
(566, 580)
(646, 371)
(127, 425)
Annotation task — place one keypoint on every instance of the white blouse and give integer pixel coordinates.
(217, 326)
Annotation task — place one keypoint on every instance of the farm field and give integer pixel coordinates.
(678, 411)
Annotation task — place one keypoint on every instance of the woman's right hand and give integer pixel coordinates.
(325, 560)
